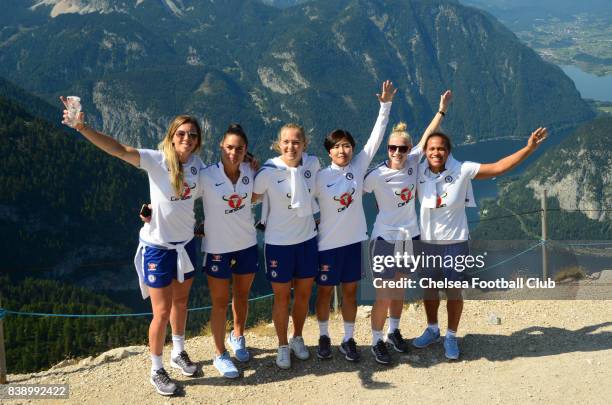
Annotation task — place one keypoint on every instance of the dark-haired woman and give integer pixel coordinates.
(229, 245)
(166, 254)
(342, 226)
(444, 190)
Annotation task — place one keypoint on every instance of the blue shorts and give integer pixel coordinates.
(381, 247)
(340, 265)
(440, 270)
(223, 265)
(286, 262)
(160, 265)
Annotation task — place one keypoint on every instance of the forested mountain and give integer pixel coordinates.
(578, 180)
(33, 343)
(138, 63)
(62, 199)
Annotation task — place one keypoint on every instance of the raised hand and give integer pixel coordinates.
(67, 120)
(388, 92)
(445, 100)
(537, 137)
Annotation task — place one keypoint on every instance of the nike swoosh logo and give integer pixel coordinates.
(218, 184)
(280, 181)
(421, 182)
(329, 185)
(388, 180)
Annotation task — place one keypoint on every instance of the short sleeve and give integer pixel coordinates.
(470, 169)
(416, 151)
(149, 159)
(369, 183)
(261, 181)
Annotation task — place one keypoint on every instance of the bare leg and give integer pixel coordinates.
(219, 294)
(454, 307)
(280, 310)
(432, 302)
(349, 301)
(161, 303)
(180, 299)
(302, 289)
(241, 287)
(324, 293)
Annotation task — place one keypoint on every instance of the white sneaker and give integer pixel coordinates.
(298, 347)
(283, 357)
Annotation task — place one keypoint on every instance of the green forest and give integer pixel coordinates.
(35, 343)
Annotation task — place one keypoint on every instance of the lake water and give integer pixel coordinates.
(590, 85)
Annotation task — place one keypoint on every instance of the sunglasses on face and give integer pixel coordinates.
(181, 133)
(400, 149)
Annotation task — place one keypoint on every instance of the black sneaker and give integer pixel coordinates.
(162, 382)
(381, 353)
(324, 349)
(184, 363)
(397, 341)
(349, 349)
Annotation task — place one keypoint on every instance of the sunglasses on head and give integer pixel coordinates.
(181, 133)
(400, 149)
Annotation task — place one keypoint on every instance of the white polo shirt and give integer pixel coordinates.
(339, 191)
(448, 221)
(228, 218)
(395, 192)
(283, 225)
(172, 218)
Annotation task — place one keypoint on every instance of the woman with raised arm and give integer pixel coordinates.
(342, 227)
(444, 190)
(229, 244)
(166, 255)
(290, 236)
(396, 228)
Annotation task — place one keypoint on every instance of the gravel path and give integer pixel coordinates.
(542, 352)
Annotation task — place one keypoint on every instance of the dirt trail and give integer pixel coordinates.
(542, 352)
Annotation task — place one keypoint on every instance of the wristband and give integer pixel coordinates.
(443, 113)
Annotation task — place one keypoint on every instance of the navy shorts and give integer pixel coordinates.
(286, 262)
(383, 248)
(438, 265)
(340, 265)
(223, 265)
(160, 265)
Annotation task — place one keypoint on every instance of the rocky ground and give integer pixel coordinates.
(540, 352)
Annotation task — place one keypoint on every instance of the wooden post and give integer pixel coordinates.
(544, 238)
(2, 352)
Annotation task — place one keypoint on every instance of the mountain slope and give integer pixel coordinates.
(61, 197)
(577, 177)
(138, 64)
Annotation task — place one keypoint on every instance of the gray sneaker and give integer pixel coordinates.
(184, 363)
(162, 382)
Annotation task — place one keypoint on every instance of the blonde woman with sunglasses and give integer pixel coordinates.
(396, 228)
(166, 254)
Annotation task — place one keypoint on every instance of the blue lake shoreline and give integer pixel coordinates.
(590, 85)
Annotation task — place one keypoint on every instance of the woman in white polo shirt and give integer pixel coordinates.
(287, 183)
(444, 190)
(229, 244)
(396, 228)
(339, 190)
(166, 253)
